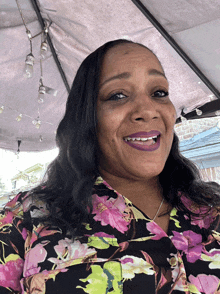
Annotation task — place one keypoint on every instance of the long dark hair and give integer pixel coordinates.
(67, 187)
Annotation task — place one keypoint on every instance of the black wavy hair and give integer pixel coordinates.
(67, 187)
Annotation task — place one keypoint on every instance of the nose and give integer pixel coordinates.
(144, 108)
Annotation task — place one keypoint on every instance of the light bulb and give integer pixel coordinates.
(41, 93)
(29, 64)
(198, 111)
(212, 97)
(41, 139)
(37, 123)
(18, 118)
(43, 49)
(1, 109)
(29, 34)
(183, 119)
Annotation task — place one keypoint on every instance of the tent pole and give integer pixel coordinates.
(40, 19)
(179, 50)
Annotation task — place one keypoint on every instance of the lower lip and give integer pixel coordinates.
(153, 147)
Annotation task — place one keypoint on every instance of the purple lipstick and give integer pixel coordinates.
(144, 141)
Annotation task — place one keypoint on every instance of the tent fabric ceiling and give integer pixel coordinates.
(76, 29)
(195, 27)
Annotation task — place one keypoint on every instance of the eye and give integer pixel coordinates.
(117, 96)
(160, 93)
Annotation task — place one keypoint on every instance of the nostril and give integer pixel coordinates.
(138, 118)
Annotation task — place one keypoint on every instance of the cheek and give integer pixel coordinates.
(109, 121)
(171, 118)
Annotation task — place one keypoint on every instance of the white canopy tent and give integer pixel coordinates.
(75, 29)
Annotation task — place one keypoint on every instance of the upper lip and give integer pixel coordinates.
(150, 134)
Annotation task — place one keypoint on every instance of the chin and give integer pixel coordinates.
(147, 174)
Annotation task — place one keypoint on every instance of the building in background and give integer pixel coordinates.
(200, 142)
(28, 178)
(23, 172)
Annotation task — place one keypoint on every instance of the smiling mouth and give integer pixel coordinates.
(148, 141)
(144, 141)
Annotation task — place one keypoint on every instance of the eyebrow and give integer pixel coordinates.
(156, 72)
(126, 75)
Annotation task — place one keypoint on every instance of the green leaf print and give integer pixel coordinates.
(102, 281)
(87, 226)
(172, 214)
(193, 289)
(102, 242)
(114, 274)
(98, 281)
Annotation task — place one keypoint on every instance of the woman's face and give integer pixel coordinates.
(135, 115)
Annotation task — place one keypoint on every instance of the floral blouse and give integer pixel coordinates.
(120, 251)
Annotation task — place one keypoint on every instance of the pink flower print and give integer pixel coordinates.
(33, 257)
(125, 260)
(24, 233)
(6, 219)
(68, 250)
(12, 203)
(190, 243)
(207, 284)
(202, 222)
(102, 234)
(178, 273)
(10, 274)
(156, 230)
(108, 213)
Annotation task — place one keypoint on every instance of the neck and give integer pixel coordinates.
(145, 193)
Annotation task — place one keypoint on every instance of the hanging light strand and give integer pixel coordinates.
(24, 115)
(28, 32)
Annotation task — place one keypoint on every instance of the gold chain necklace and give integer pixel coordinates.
(158, 210)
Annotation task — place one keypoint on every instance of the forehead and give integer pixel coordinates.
(128, 55)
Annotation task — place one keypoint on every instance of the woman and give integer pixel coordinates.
(121, 211)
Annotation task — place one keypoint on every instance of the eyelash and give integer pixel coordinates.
(165, 93)
(115, 96)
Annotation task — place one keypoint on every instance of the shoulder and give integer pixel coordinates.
(12, 210)
(205, 217)
(12, 239)
(11, 216)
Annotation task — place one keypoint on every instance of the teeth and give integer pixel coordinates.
(141, 139)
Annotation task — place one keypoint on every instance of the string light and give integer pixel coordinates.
(24, 115)
(183, 111)
(217, 112)
(1, 109)
(44, 45)
(37, 123)
(183, 119)
(18, 151)
(41, 93)
(18, 118)
(29, 65)
(212, 97)
(43, 49)
(42, 88)
(198, 111)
